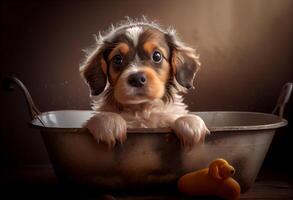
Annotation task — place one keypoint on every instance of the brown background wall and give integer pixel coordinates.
(245, 47)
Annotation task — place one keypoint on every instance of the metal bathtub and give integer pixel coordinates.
(153, 157)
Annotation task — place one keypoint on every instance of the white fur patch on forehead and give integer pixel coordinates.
(133, 33)
(131, 23)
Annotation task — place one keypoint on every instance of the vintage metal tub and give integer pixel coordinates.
(153, 157)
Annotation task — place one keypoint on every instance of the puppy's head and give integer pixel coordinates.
(141, 63)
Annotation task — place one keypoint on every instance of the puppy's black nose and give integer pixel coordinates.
(137, 80)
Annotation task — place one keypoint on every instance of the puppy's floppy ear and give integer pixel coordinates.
(94, 71)
(184, 62)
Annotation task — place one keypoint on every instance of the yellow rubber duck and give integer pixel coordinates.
(216, 180)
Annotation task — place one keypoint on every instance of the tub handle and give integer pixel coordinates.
(283, 99)
(10, 82)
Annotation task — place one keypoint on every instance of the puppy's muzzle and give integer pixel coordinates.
(138, 79)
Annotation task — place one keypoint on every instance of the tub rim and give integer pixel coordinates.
(283, 122)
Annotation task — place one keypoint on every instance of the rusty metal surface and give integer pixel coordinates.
(153, 158)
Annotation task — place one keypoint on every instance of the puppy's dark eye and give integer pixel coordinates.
(117, 60)
(157, 57)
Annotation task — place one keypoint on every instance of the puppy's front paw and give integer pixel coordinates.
(107, 127)
(190, 129)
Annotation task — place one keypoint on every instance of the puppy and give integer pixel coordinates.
(137, 74)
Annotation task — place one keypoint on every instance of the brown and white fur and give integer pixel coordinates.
(137, 73)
